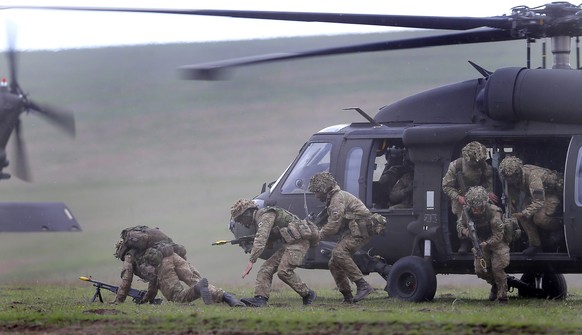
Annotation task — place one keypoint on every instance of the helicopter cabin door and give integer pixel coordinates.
(573, 198)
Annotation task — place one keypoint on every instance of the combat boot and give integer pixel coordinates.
(363, 289)
(348, 297)
(309, 298)
(202, 288)
(256, 301)
(232, 301)
(493, 293)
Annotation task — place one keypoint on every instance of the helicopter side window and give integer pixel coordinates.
(353, 167)
(314, 159)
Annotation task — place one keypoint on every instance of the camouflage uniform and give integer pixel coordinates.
(401, 194)
(490, 232)
(171, 272)
(474, 171)
(164, 267)
(348, 216)
(535, 196)
(275, 222)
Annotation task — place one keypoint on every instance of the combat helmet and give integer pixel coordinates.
(322, 182)
(476, 196)
(474, 152)
(510, 166)
(240, 206)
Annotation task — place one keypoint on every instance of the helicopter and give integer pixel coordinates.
(27, 216)
(529, 113)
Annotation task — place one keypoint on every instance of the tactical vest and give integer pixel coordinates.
(282, 217)
(471, 177)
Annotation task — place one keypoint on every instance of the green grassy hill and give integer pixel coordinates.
(155, 150)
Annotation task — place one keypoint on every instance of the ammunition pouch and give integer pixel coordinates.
(298, 230)
(359, 228)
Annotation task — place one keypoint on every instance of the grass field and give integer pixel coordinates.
(51, 309)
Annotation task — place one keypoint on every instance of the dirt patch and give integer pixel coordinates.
(103, 311)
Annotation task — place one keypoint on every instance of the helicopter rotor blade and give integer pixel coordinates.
(12, 57)
(21, 166)
(217, 70)
(64, 120)
(386, 20)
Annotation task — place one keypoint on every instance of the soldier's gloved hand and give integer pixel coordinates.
(483, 245)
(493, 197)
(518, 216)
(461, 200)
(465, 232)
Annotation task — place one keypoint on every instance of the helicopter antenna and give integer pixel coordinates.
(482, 71)
(366, 116)
(528, 52)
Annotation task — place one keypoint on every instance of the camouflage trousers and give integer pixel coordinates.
(283, 262)
(341, 264)
(496, 260)
(543, 219)
(173, 271)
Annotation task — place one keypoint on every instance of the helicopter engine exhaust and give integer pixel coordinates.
(521, 94)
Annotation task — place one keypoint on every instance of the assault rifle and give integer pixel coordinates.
(137, 295)
(475, 240)
(240, 240)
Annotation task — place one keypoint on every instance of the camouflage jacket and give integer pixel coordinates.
(342, 206)
(401, 194)
(529, 196)
(267, 220)
(471, 177)
(489, 225)
(129, 268)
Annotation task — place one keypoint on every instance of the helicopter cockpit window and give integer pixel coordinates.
(315, 158)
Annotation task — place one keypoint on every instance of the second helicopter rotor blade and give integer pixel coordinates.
(21, 166)
(216, 70)
(62, 119)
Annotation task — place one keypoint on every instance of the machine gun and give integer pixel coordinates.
(475, 240)
(137, 295)
(239, 241)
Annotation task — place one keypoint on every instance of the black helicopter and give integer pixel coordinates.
(27, 216)
(534, 114)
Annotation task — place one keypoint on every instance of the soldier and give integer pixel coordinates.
(401, 193)
(471, 169)
(297, 236)
(534, 198)
(492, 250)
(154, 257)
(348, 216)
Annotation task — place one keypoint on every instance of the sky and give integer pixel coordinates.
(53, 30)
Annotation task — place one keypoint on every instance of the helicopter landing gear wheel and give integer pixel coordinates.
(412, 279)
(552, 284)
